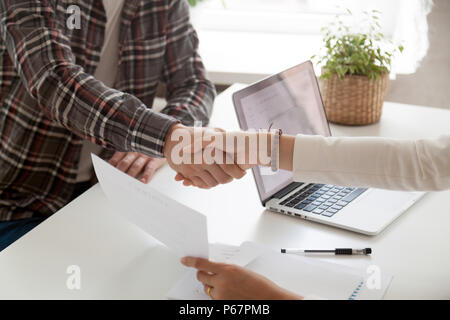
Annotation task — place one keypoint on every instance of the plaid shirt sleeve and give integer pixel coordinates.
(42, 56)
(189, 93)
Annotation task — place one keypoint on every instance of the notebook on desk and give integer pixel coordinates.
(299, 274)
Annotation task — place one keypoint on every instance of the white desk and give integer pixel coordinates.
(118, 260)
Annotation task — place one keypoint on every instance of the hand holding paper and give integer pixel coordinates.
(233, 282)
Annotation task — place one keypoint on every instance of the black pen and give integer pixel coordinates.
(346, 251)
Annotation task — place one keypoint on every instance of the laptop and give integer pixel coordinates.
(291, 101)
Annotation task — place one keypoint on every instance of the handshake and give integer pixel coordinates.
(207, 157)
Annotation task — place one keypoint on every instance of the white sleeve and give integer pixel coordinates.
(419, 165)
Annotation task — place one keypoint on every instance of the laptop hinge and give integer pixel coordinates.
(280, 194)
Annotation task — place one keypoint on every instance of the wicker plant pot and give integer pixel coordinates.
(354, 101)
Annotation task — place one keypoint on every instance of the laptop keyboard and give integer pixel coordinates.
(326, 200)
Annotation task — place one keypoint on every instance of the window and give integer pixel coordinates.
(245, 40)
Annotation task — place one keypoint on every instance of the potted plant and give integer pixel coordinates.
(355, 71)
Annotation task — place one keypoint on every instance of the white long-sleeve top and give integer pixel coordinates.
(419, 165)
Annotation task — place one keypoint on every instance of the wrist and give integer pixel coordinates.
(286, 150)
(169, 143)
(287, 144)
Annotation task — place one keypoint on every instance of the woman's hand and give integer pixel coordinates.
(231, 282)
(137, 165)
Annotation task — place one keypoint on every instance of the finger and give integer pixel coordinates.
(127, 161)
(150, 169)
(148, 173)
(179, 177)
(202, 264)
(219, 175)
(117, 157)
(206, 278)
(232, 169)
(187, 183)
(137, 166)
(210, 293)
(199, 183)
(207, 178)
(159, 162)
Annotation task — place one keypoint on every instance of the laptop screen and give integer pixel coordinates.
(289, 101)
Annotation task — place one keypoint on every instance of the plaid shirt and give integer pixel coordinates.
(50, 102)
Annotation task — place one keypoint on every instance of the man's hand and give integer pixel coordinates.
(202, 175)
(231, 282)
(137, 165)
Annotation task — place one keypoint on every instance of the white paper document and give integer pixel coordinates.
(179, 227)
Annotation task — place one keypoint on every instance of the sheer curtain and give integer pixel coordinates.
(412, 30)
(404, 21)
